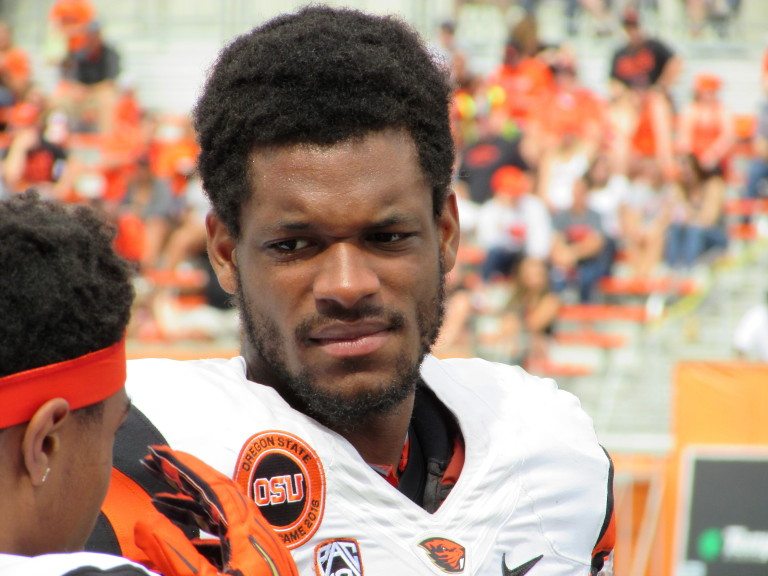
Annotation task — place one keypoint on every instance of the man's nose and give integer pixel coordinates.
(346, 276)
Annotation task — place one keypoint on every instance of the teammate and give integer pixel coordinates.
(65, 300)
(327, 155)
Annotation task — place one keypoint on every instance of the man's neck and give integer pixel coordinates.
(380, 440)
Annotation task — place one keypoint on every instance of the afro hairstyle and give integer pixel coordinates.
(319, 76)
(64, 292)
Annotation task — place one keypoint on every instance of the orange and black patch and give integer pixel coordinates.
(285, 478)
(445, 554)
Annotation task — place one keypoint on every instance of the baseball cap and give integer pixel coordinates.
(510, 181)
(707, 83)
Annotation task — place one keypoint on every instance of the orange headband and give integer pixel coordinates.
(82, 381)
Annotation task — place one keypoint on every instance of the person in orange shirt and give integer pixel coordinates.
(520, 81)
(15, 70)
(705, 130)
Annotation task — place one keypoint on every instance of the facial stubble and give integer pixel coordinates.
(331, 407)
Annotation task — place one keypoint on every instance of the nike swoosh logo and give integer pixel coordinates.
(520, 570)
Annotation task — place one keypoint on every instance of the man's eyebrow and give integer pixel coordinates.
(396, 220)
(393, 220)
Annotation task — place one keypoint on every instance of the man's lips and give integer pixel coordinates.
(349, 340)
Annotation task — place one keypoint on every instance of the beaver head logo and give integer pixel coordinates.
(446, 554)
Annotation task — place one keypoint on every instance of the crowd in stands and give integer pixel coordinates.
(559, 182)
(558, 187)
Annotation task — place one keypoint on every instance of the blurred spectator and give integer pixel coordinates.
(518, 331)
(15, 71)
(186, 241)
(750, 339)
(608, 192)
(30, 159)
(643, 62)
(512, 225)
(455, 334)
(213, 319)
(560, 167)
(481, 159)
(88, 91)
(698, 224)
(447, 50)
(596, 8)
(173, 151)
(717, 13)
(580, 254)
(641, 128)
(148, 204)
(757, 174)
(706, 131)
(645, 216)
(519, 83)
(570, 106)
(69, 20)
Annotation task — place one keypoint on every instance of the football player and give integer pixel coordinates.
(327, 155)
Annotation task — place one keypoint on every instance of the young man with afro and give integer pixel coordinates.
(327, 154)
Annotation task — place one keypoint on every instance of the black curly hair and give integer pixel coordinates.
(320, 76)
(63, 290)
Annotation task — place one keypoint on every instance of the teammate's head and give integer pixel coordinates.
(65, 300)
(327, 154)
(319, 76)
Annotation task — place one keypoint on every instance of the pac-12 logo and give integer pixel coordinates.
(285, 478)
(338, 557)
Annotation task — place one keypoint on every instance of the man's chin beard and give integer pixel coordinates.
(338, 411)
(349, 412)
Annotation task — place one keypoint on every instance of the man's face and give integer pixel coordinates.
(338, 273)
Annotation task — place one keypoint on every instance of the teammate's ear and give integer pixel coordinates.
(221, 252)
(42, 439)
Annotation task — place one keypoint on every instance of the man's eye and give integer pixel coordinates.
(388, 237)
(292, 245)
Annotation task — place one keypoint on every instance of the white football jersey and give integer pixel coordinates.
(81, 563)
(532, 497)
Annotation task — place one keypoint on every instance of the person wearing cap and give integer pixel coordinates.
(643, 61)
(642, 73)
(513, 224)
(705, 130)
(88, 89)
(15, 69)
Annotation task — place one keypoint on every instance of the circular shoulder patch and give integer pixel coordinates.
(285, 478)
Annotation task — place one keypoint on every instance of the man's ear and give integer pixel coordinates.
(42, 439)
(450, 232)
(221, 252)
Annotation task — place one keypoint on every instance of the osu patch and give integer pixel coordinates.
(285, 478)
(339, 557)
(445, 554)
